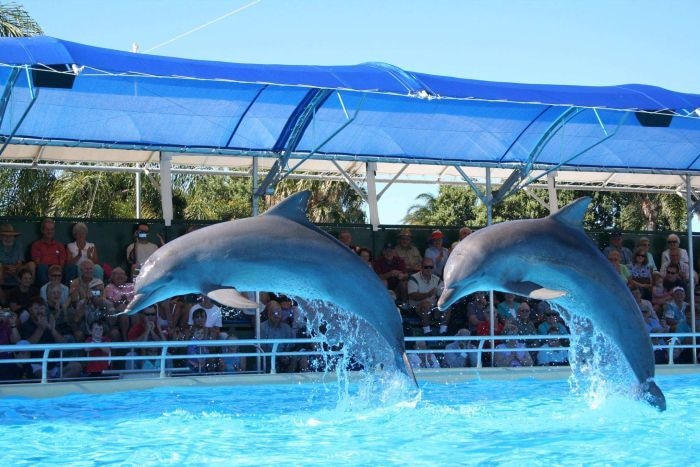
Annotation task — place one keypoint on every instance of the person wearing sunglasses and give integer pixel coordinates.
(673, 243)
(424, 289)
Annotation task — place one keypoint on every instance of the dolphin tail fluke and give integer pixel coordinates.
(653, 395)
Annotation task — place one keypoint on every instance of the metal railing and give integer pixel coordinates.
(61, 354)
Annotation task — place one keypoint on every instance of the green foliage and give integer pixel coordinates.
(16, 22)
(453, 206)
(23, 192)
(331, 201)
(215, 197)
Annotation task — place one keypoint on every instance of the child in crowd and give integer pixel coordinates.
(96, 367)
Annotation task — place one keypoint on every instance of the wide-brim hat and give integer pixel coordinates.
(405, 233)
(7, 229)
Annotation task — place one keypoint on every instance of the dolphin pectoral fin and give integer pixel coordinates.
(532, 290)
(231, 297)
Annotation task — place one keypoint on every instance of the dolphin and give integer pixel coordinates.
(279, 250)
(553, 259)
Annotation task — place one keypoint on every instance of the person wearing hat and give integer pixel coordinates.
(16, 370)
(437, 252)
(676, 308)
(552, 321)
(408, 252)
(626, 256)
(392, 270)
(11, 256)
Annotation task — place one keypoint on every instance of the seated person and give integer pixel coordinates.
(81, 250)
(437, 252)
(80, 286)
(197, 332)
(552, 320)
(11, 257)
(391, 269)
(9, 334)
(424, 289)
(554, 355)
(68, 323)
(275, 328)
(641, 274)
(423, 359)
(675, 310)
(509, 356)
(55, 277)
(97, 367)
(120, 292)
(144, 329)
(16, 371)
(460, 358)
(19, 298)
(674, 245)
(97, 308)
(233, 364)
(40, 329)
(525, 326)
(508, 308)
(213, 322)
(47, 251)
(622, 270)
(408, 252)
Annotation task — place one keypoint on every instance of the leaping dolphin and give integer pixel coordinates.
(553, 259)
(279, 250)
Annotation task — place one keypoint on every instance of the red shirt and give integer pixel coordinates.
(48, 252)
(97, 366)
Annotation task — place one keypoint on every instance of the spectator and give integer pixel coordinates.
(645, 245)
(11, 257)
(81, 250)
(97, 308)
(437, 252)
(509, 356)
(97, 367)
(464, 232)
(424, 289)
(120, 292)
(614, 258)
(659, 294)
(676, 263)
(672, 279)
(392, 270)
(80, 286)
(459, 357)
(408, 252)
(644, 305)
(276, 328)
(508, 308)
(172, 318)
(553, 355)
(19, 298)
(525, 326)
(235, 363)
(552, 321)
(146, 327)
(676, 309)
(138, 252)
(423, 359)
(674, 244)
(477, 312)
(16, 371)
(616, 245)
(365, 255)
(345, 237)
(68, 324)
(640, 274)
(9, 334)
(47, 251)
(213, 322)
(40, 329)
(197, 332)
(55, 277)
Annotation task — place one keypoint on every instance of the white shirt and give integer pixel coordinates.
(418, 283)
(73, 250)
(213, 316)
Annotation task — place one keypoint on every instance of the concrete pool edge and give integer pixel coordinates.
(442, 375)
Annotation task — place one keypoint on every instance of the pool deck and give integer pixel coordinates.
(442, 375)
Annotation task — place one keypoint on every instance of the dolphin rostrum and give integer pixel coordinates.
(553, 259)
(279, 250)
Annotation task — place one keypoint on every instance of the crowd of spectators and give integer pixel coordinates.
(64, 294)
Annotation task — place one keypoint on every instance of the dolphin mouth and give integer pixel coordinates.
(447, 298)
(136, 304)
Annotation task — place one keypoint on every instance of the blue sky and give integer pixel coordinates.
(588, 42)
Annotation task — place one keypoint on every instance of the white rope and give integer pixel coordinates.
(184, 34)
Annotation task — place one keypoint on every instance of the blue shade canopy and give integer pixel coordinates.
(69, 102)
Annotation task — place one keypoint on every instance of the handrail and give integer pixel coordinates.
(672, 342)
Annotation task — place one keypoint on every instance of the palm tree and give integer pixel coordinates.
(16, 22)
(331, 201)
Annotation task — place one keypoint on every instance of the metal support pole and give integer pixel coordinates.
(138, 194)
(552, 189)
(256, 211)
(166, 188)
(691, 285)
(489, 221)
(371, 168)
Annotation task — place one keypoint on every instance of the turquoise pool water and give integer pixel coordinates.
(521, 422)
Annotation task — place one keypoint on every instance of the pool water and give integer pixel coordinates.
(519, 422)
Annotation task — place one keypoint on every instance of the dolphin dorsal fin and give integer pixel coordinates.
(572, 214)
(293, 207)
